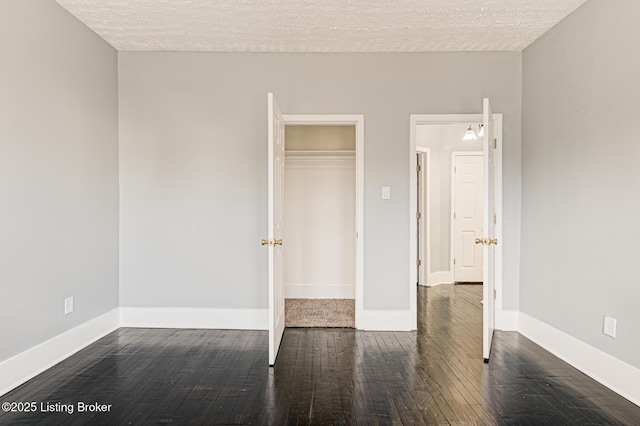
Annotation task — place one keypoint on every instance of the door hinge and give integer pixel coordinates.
(455, 170)
(454, 261)
(454, 215)
(418, 168)
(418, 262)
(495, 143)
(418, 215)
(495, 219)
(495, 294)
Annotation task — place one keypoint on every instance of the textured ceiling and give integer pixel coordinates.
(320, 25)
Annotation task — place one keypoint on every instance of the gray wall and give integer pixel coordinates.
(193, 162)
(58, 173)
(580, 176)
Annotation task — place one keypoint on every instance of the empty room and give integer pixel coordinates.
(300, 212)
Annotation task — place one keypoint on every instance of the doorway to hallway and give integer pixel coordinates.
(491, 141)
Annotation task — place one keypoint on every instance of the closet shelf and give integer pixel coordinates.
(337, 153)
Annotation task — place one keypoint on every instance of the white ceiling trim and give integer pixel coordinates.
(320, 25)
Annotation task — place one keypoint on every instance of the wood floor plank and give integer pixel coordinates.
(336, 376)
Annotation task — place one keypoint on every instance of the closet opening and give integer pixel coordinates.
(320, 211)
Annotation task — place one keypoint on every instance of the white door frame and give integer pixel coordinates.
(424, 239)
(415, 120)
(452, 240)
(356, 120)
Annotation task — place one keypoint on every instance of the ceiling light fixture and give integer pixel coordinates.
(470, 135)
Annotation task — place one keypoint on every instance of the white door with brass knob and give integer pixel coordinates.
(276, 226)
(489, 240)
(467, 217)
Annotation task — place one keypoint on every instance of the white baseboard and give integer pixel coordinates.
(507, 320)
(617, 375)
(441, 277)
(235, 319)
(28, 364)
(374, 320)
(325, 291)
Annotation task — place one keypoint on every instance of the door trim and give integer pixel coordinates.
(414, 120)
(424, 239)
(356, 120)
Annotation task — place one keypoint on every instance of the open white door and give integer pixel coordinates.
(276, 227)
(489, 232)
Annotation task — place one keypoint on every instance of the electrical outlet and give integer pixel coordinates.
(68, 305)
(610, 326)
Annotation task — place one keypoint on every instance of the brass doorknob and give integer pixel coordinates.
(267, 242)
(486, 241)
(494, 241)
(277, 242)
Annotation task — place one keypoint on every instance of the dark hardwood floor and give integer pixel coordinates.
(324, 376)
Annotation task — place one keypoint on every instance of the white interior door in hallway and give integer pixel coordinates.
(467, 208)
(493, 313)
